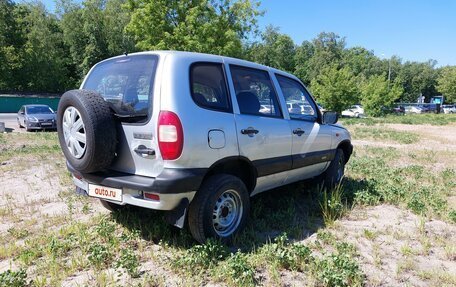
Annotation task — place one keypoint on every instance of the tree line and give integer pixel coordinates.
(42, 51)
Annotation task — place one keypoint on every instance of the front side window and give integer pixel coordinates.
(254, 92)
(208, 86)
(126, 83)
(297, 99)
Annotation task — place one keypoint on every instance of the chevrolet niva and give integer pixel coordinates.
(196, 135)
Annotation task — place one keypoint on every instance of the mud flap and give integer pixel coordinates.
(80, 191)
(176, 216)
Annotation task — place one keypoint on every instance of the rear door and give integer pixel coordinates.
(311, 142)
(128, 84)
(263, 134)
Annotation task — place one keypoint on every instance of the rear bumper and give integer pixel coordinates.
(172, 185)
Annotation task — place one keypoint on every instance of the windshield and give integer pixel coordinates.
(126, 83)
(39, 110)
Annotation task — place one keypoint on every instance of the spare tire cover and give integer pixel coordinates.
(87, 130)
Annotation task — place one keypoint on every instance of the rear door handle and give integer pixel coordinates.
(298, 132)
(144, 151)
(249, 131)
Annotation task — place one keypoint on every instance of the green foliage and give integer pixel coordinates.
(202, 257)
(382, 133)
(377, 93)
(447, 83)
(275, 50)
(216, 27)
(99, 254)
(338, 268)
(13, 278)
(452, 215)
(285, 255)
(417, 79)
(237, 270)
(335, 88)
(332, 205)
(129, 261)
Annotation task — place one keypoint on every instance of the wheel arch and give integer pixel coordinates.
(238, 166)
(347, 148)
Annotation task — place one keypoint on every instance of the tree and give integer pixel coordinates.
(418, 79)
(335, 88)
(12, 39)
(217, 26)
(276, 50)
(44, 69)
(377, 93)
(446, 83)
(362, 62)
(302, 61)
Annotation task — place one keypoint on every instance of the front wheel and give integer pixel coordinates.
(220, 208)
(335, 172)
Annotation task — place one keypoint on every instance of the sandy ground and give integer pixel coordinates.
(400, 252)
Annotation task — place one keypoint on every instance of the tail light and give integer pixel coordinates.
(170, 135)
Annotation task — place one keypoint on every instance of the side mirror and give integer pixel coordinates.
(330, 117)
(22, 113)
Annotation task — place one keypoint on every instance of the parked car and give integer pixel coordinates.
(449, 109)
(354, 111)
(202, 147)
(36, 117)
(413, 110)
(294, 108)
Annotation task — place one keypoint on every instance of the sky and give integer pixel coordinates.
(414, 30)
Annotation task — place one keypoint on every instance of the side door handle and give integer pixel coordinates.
(249, 131)
(299, 132)
(144, 151)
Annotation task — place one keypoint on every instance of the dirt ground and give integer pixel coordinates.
(395, 246)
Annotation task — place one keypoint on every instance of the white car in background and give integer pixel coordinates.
(354, 111)
(449, 109)
(413, 110)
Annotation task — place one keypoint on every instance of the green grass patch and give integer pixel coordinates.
(412, 119)
(382, 133)
(372, 180)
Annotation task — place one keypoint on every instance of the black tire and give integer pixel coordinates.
(216, 190)
(111, 206)
(99, 129)
(335, 172)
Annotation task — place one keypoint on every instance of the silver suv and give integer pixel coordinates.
(196, 135)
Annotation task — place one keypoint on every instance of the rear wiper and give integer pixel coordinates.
(131, 117)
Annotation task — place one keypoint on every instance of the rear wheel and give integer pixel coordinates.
(220, 208)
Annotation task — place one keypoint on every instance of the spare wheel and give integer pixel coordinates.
(87, 130)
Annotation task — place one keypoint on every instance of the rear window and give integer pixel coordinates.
(126, 83)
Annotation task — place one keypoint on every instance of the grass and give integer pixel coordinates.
(412, 119)
(135, 246)
(385, 134)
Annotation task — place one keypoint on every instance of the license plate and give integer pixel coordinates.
(114, 194)
(46, 124)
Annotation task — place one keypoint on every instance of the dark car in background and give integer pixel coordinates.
(36, 117)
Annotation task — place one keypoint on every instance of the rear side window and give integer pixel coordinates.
(208, 86)
(126, 83)
(254, 92)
